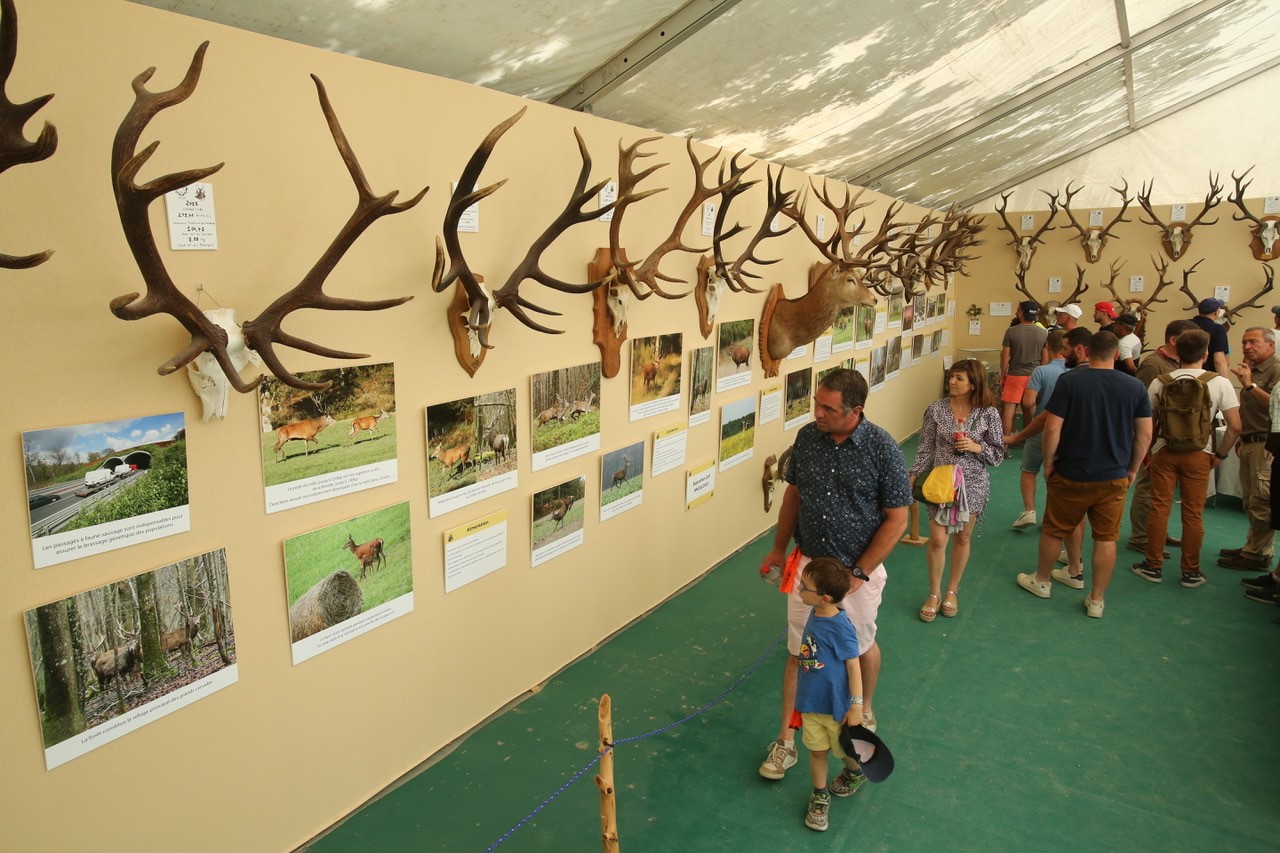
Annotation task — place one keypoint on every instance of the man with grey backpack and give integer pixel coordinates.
(1184, 403)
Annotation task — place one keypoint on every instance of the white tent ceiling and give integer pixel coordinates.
(933, 101)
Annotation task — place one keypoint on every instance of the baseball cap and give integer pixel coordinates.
(1208, 305)
(1106, 308)
(1127, 319)
(1074, 310)
(1275, 309)
(865, 747)
(1029, 308)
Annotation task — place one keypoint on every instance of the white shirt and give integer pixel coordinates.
(1130, 347)
(1222, 397)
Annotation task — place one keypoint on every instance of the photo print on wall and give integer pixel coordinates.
(557, 519)
(338, 440)
(735, 351)
(111, 660)
(656, 364)
(472, 450)
(621, 480)
(346, 579)
(799, 398)
(737, 432)
(701, 368)
(565, 405)
(93, 488)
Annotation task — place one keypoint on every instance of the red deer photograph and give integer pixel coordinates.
(565, 408)
(117, 657)
(471, 449)
(701, 363)
(621, 480)
(735, 354)
(655, 374)
(558, 514)
(357, 574)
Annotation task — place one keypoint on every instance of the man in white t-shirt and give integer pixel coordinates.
(1188, 469)
(1130, 344)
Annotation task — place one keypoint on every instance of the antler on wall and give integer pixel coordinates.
(14, 147)
(1269, 277)
(163, 296)
(1186, 284)
(1265, 233)
(1024, 245)
(1093, 238)
(1175, 237)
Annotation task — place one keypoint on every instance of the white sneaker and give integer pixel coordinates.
(1027, 519)
(1065, 576)
(1093, 608)
(1034, 585)
(1063, 558)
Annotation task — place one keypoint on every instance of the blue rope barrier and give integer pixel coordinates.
(578, 775)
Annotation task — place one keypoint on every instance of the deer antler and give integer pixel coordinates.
(1176, 235)
(508, 296)
(1269, 276)
(1237, 197)
(1093, 239)
(14, 147)
(1186, 283)
(735, 273)
(1110, 283)
(1080, 288)
(1025, 246)
(163, 296)
(1021, 287)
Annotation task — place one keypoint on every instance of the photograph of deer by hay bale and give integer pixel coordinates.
(344, 571)
(350, 423)
(701, 368)
(737, 432)
(472, 441)
(735, 352)
(656, 364)
(565, 409)
(123, 651)
(558, 514)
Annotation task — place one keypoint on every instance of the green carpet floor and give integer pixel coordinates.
(1018, 725)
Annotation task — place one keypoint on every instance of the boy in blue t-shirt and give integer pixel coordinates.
(829, 688)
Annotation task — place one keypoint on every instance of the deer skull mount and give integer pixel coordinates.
(205, 374)
(1265, 229)
(14, 147)
(1175, 237)
(1094, 238)
(264, 332)
(1024, 245)
(707, 294)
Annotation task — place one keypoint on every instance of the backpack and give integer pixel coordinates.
(1184, 412)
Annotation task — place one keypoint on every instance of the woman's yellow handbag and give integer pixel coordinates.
(939, 486)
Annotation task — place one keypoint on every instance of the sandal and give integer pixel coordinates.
(927, 613)
(951, 609)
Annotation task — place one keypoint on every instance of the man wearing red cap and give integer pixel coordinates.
(1104, 314)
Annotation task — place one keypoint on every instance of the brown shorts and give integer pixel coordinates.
(1068, 502)
(1014, 388)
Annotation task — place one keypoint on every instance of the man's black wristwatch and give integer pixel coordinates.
(858, 573)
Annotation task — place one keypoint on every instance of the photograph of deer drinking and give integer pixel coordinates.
(621, 480)
(558, 514)
(96, 487)
(317, 438)
(110, 660)
(356, 574)
(471, 449)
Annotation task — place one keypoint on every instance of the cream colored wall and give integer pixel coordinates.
(1222, 250)
(288, 750)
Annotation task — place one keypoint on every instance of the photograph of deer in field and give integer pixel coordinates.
(348, 424)
(118, 652)
(558, 512)
(656, 367)
(115, 477)
(879, 357)
(737, 432)
(621, 480)
(471, 449)
(865, 325)
(565, 406)
(339, 572)
(843, 328)
(799, 395)
(701, 364)
(734, 354)
(896, 307)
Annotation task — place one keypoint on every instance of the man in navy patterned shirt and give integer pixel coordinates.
(847, 498)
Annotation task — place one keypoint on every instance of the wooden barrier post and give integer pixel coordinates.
(604, 780)
(912, 536)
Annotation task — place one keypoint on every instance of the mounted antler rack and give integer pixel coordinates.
(1094, 239)
(471, 313)
(1021, 287)
(1176, 236)
(1024, 245)
(14, 147)
(1268, 283)
(264, 332)
(1142, 307)
(1110, 284)
(1266, 229)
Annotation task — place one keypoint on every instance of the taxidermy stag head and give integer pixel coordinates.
(1176, 236)
(14, 147)
(1264, 229)
(1094, 238)
(264, 332)
(471, 327)
(1024, 245)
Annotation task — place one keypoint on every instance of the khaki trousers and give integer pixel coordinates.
(1255, 488)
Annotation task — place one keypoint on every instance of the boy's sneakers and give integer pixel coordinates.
(816, 816)
(1027, 519)
(1065, 576)
(1265, 582)
(847, 783)
(780, 757)
(1155, 574)
(1191, 580)
(1033, 585)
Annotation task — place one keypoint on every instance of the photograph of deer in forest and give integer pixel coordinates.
(115, 658)
(737, 432)
(879, 356)
(865, 326)
(557, 519)
(96, 487)
(734, 353)
(357, 573)
(701, 362)
(895, 356)
(621, 480)
(656, 364)
(799, 397)
(917, 348)
(471, 449)
(565, 407)
(896, 309)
